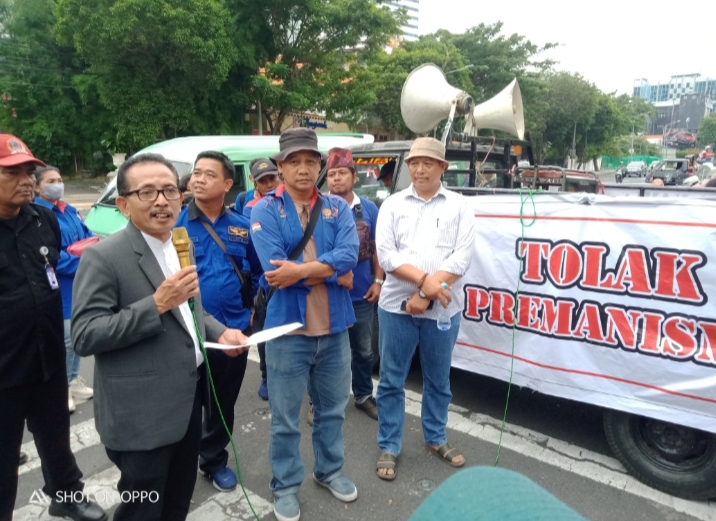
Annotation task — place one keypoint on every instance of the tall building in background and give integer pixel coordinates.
(674, 88)
(681, 103)
(410, 28)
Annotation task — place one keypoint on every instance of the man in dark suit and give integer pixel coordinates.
(130, 311)
(33, 383)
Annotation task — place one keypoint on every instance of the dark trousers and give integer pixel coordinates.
(44, 406)
(227, 374)
(262, 359)
(167, 473)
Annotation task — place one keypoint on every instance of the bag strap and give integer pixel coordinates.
(221, 245)
(359, 212)
(242, 200)
(304, 240)
(309, 229)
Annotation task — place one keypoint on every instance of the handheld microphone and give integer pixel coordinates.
(182, 244)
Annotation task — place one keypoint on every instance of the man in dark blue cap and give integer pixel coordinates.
(308, 246)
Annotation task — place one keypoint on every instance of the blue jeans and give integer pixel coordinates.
(399, 336)
(72, 359)
(323, 364)
(362, 350)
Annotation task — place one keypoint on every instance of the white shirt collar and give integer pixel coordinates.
(356, 200)
(155, 243)
(441, 191)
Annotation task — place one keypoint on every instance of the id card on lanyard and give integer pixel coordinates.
(49, 270)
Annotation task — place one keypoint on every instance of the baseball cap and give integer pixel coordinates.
(263, 167)
(14, 152)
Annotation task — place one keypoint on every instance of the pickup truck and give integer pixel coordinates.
(670, 171)
(676, 458)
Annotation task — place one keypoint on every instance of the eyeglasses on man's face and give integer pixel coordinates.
(171, 193)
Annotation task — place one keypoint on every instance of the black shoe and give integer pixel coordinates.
(23, 459)
(78, 511)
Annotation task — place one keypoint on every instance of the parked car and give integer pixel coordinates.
(670, 171)
(104, 218)
(637, 168)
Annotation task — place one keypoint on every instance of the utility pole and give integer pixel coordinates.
(573, 152)
(261, 119)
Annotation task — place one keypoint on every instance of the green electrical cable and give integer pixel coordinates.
(221, 413)
(523, 201)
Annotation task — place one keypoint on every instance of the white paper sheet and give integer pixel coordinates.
(261, 336)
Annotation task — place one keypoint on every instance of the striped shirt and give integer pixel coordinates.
(433, 235)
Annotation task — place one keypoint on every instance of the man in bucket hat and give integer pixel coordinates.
(311, 290)
(33, 381)
(425, 237)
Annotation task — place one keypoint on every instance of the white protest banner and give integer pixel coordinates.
(616, 303)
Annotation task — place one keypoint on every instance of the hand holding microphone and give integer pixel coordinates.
(184, 284)
(177, 289)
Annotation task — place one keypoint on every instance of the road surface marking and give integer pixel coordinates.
(82, 436)
(591, 465)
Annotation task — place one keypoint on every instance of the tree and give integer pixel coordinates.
(44, 99)
(707, 130)
(312, 54)
(573, 104)
(155, 61)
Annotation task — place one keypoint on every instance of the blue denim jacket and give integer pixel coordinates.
(276, 231)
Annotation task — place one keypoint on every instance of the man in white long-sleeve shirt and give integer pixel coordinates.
(424, 236)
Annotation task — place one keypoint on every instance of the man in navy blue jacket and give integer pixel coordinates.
(312, 290)
(222, 290)
(367, 276)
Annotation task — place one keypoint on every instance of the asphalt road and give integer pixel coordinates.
(557, 443)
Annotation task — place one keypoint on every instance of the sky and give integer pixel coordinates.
(610, 43)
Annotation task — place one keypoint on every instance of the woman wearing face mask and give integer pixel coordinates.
(49, 191)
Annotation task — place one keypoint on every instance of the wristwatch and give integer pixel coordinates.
(378, 281)
(421, 294)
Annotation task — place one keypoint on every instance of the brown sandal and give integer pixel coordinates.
(448, 453)
(387, 461)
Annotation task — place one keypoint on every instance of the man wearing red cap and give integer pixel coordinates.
(33, 383)
(367, 276)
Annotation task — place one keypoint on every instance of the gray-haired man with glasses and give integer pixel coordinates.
(130, 311)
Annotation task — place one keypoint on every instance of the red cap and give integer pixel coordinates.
(15, 152)
(340, 158)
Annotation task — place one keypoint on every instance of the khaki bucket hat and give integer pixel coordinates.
(427, 147)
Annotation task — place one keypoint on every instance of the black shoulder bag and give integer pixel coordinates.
(262, 297)
(247, 294)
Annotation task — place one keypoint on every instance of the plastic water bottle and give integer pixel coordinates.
(444, 314)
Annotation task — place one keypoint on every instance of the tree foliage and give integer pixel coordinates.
(154, 60)
(44, 98)
(312, 54)
(83, 78)
(707, 130)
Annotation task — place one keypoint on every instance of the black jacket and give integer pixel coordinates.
(31, 330)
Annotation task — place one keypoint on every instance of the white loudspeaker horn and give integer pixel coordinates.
(427, 99)
(502, 112)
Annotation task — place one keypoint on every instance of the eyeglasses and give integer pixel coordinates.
(170, 193)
